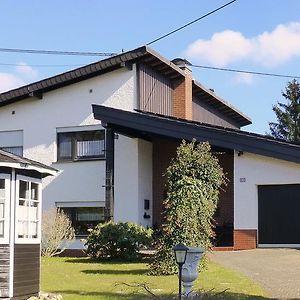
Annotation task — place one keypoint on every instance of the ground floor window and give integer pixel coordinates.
(84, 218)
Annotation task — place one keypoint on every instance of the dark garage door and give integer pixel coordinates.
(279, 214)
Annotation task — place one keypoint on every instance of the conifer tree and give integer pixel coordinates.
(287, 126)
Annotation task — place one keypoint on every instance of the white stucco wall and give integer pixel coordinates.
(251, 170)
(133, 180)
(66, 107)
(126, 178)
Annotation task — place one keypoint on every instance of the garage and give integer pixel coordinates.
(279, 215)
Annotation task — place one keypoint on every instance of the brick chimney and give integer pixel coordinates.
(183, 95)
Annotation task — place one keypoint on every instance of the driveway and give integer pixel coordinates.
(277, 271)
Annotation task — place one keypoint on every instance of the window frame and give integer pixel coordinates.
(73, 213)
(7, 204)
(74, 139)
(20, 240)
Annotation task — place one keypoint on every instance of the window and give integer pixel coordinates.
(28, 210)
(4, 208)
(14, 150)
(81, 145)
(84, 218)
(12, 141)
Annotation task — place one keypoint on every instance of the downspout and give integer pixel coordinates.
(109, 178)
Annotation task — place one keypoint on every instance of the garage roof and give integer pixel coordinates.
(146, 125)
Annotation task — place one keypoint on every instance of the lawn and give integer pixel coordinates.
(85, 279)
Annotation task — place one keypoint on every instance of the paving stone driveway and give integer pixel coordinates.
(277, 271)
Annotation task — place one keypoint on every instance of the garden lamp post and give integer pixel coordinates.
(180, 251)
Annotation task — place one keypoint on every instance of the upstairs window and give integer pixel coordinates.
(80, 145)
(14, 150)
(12, 141)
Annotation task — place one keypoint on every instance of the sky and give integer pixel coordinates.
(254, 35)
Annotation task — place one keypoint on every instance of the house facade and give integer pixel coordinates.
(111, 159)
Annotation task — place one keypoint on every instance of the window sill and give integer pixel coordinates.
(60, 161)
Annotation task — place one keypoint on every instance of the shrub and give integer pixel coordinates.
(117, 241)
(194, 178)
(57, 232)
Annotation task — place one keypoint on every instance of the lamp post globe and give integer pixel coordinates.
(180, 251)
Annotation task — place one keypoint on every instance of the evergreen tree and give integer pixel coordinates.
(288, 114)
(194, 178)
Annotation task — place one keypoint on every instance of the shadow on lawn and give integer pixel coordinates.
(116, 272)
(137, 296)
(88, 260)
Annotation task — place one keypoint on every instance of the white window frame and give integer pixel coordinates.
(19, 240)
(5, 239)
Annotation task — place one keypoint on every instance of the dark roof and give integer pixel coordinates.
(212, 100)
(24, 163)
(145, 125)
(143, 54)
(147, 55)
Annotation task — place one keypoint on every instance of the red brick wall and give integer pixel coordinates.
(183, 97)
(225, 205)
(245, 239)
(163, 151)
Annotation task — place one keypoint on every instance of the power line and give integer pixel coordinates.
(192, 65)
(40, 66)
(56, 52)
(246, 72)
(190, 23)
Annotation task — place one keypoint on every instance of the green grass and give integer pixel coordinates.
(85, 279)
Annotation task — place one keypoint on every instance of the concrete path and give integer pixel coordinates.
(277, 271)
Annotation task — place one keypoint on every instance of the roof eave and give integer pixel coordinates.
(182, 129)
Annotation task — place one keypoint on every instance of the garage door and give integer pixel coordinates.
(279, 215)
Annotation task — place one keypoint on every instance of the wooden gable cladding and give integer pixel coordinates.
(205, 113)
(155, 91)
(4, 271)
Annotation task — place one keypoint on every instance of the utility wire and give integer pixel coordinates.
(41, 66)
(246, 72)
(56, 52)
(190, 23)
(191, 65)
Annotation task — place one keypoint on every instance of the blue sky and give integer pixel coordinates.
(249, 34)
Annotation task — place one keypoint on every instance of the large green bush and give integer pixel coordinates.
(117, 241)
(194, 178)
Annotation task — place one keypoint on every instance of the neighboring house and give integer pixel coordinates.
(148, 104)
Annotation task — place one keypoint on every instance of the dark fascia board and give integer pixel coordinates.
(220, 104)
(85, 72)
(158, 125)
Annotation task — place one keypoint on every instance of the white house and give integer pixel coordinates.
(148, 104)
